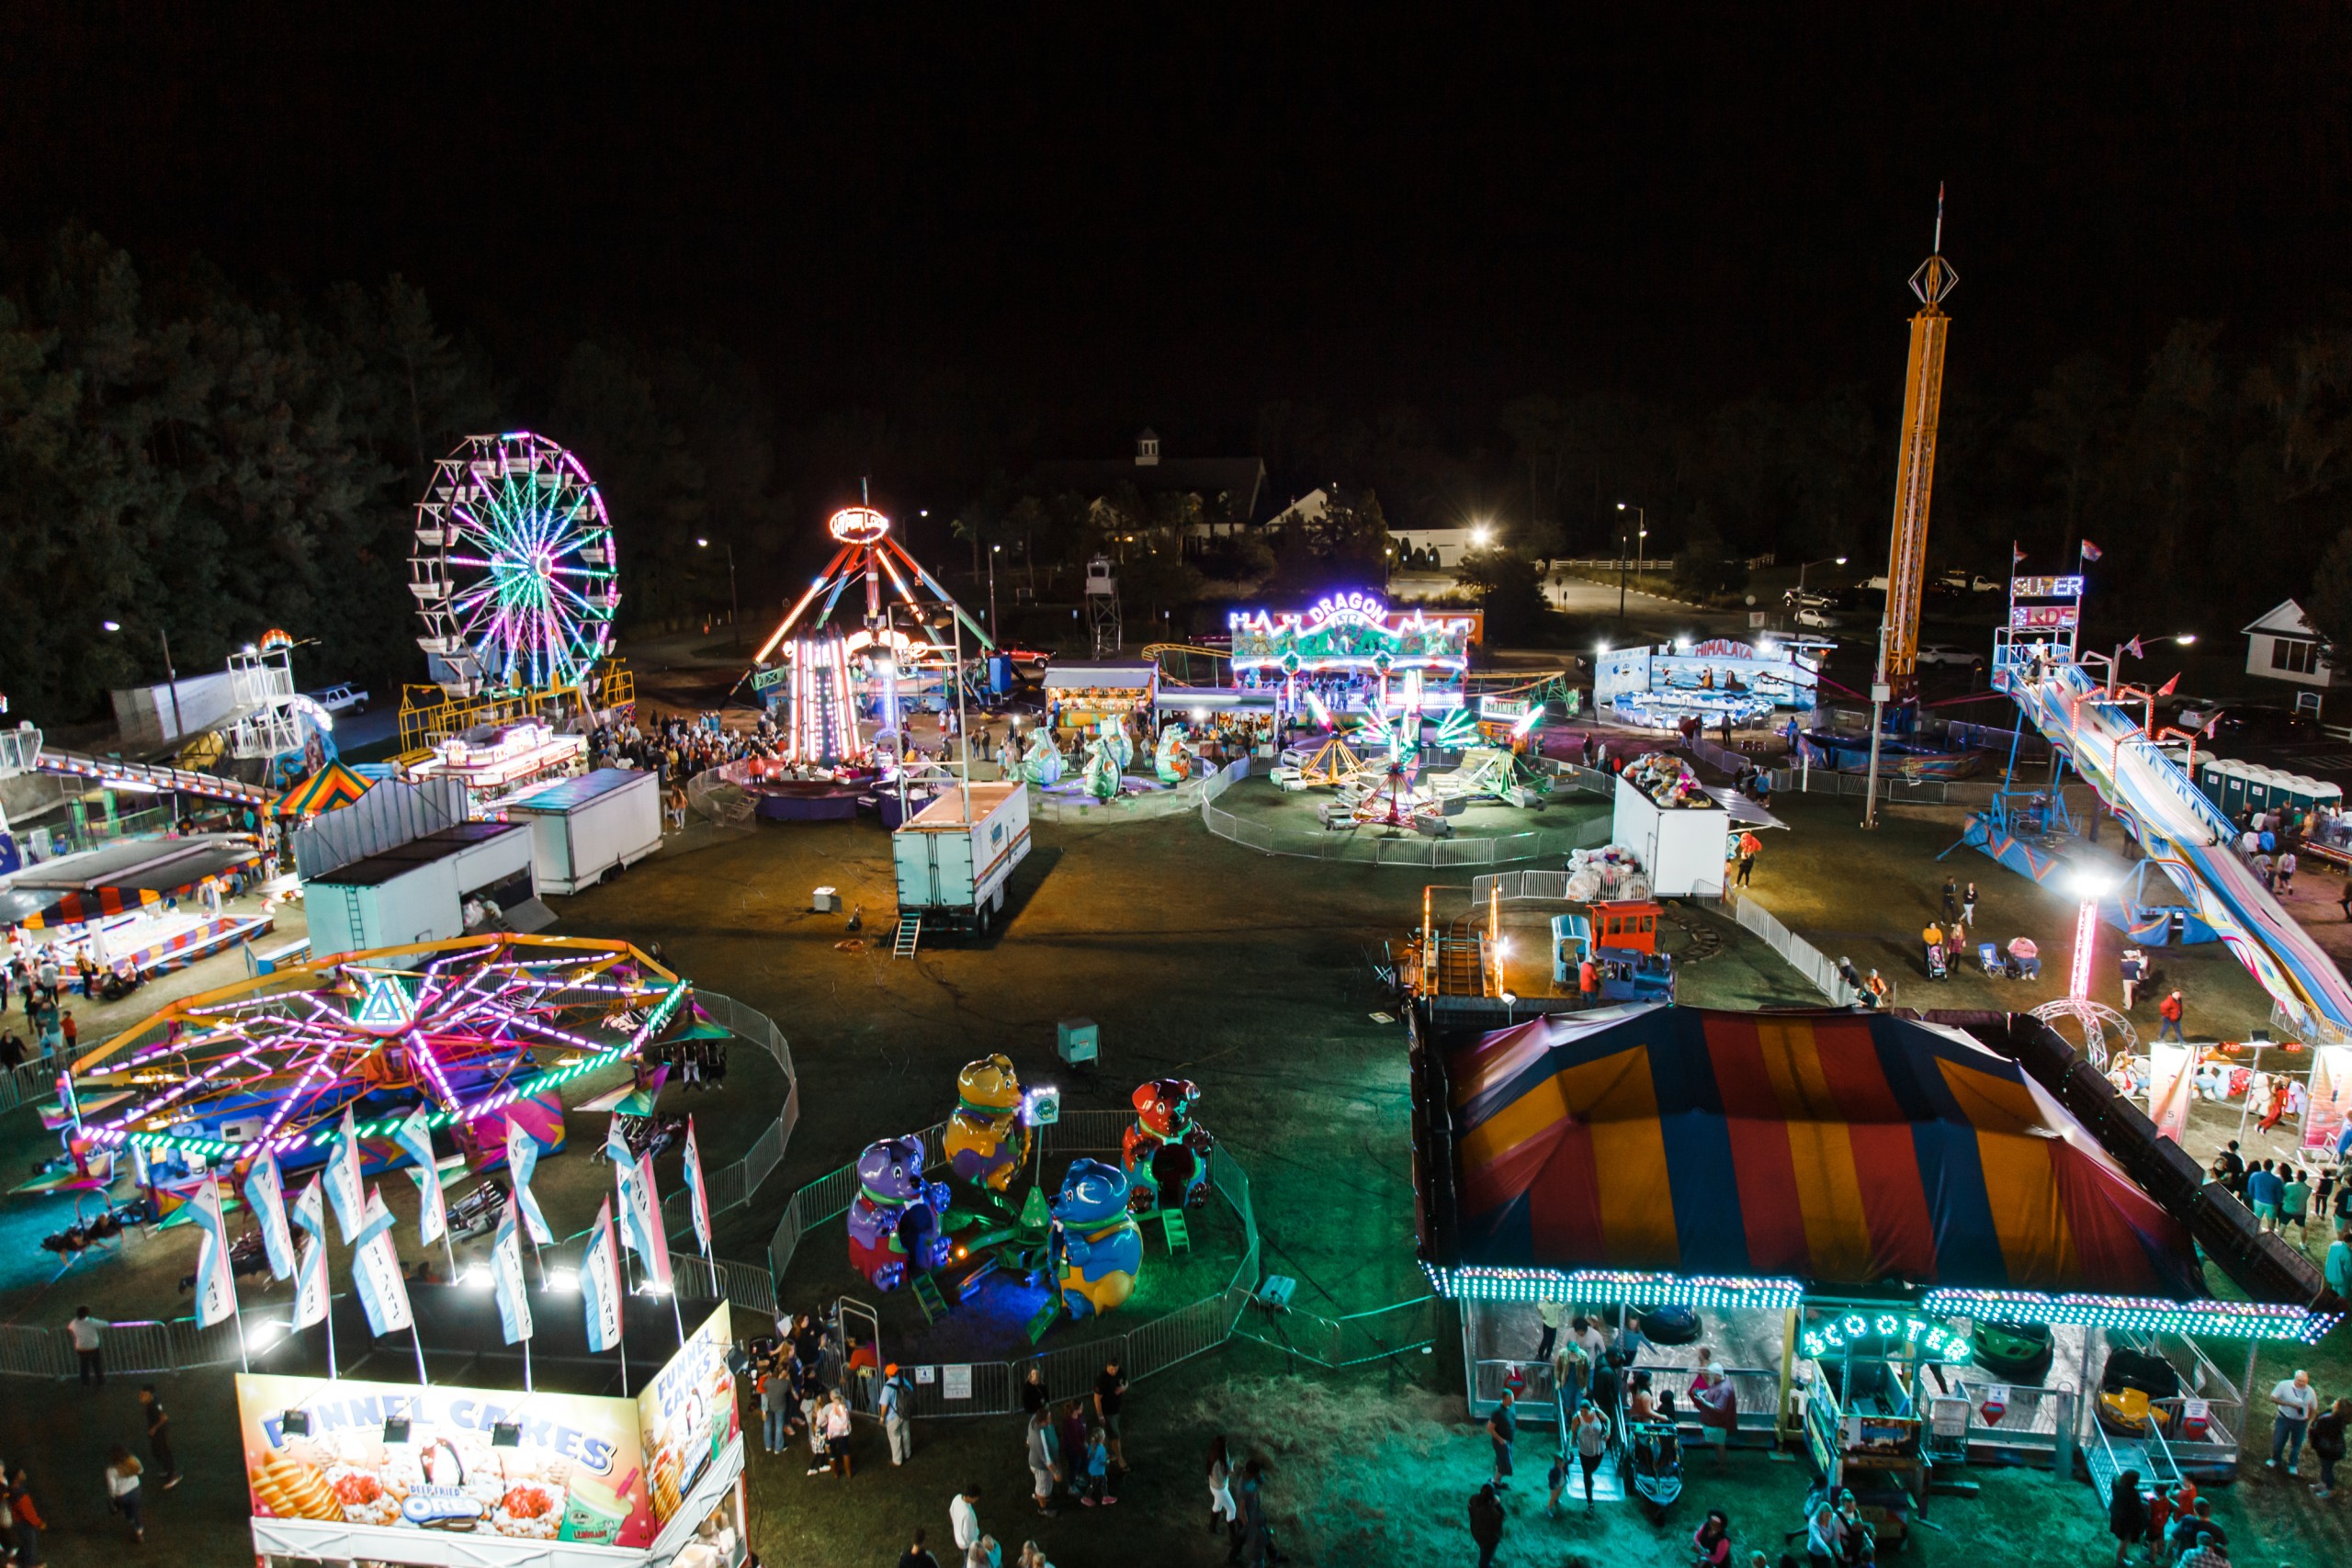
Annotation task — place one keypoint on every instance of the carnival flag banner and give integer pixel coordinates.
(344, 1187)
(641, 1222)
(506, 1277)
(617, 1147)
(697, 1199)
(522, 1158)
(376, 1271)
(265, 1191)
(216, 1284)
(415, 1140)
(310, 1212)
(311, 1284)
(2171, 1086)
(600, 1282)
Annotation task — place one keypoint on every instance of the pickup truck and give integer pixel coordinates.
(341, 699)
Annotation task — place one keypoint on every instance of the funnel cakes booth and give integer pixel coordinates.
(1896, 1242)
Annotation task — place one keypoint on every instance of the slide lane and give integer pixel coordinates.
(2191, 838)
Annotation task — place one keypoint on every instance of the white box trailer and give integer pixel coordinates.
(952, 869)
(583, 828)
(417, 891)
(1681, 848)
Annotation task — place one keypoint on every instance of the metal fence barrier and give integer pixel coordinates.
(732, 1186)
(29, 1082)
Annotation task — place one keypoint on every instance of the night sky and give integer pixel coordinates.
(1181, 217)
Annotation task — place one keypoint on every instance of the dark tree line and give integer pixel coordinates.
(203, 463)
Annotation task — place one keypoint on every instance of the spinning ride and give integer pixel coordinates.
(904, 641)
(512, 567)
(476, 1030)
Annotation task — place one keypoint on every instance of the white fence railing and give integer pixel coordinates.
(1800, 955)
(1428, 853)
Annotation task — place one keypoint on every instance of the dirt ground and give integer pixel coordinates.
(1253, 976)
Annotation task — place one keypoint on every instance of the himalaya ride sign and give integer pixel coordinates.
(1350, 631)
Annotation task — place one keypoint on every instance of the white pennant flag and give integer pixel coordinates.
(344, 1188)
(600, 1282)
(415, 1140)
(265, 1191)
(522, 1158)
(311, 1284)
(506, 1277)
(376, 1271)
(216, 1284)
(311, 1210)
(641, 1222)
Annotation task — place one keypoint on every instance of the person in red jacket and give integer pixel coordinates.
(2169, 1011)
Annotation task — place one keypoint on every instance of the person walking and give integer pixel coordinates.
(775, 1405)
(1750, 846)
(1034, 1396)
(1487, 1523)
(1223, 1515)
(1571, 1366)
(1549, 1313)
(89, 1337)
(1502, 1426)
(2263, 1191)
(28, 1522)
(2169, 1011)
(1968, 907)
(123, 1490)
(1110, 1394)
(897, 1406)
(918, 1555)
(1592, 1438)
(1044, 1461)
(159, 1436)
(1950, 901)
(1557, 1480)
(2286, 870)
(1588, 982)
(2327, 1443)
(963, 1518)
(2134, 966)
(1098, 1471)
(2294, 1206)
(2127, 1514)
(2338, 1267)
(2298, 1402)
(836, 1434)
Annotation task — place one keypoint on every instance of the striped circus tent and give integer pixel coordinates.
(330, 787)
(1839, 1148)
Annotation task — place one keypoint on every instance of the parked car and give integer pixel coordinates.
(1980, 583)
(1796, 599)
(1810, 616)
(1945, 653)
(341, 699)
(2249, 723)
(1873, 584)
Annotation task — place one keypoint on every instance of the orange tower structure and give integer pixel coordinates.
(1915, 475)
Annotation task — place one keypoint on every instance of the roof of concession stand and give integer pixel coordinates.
(1843, 1149)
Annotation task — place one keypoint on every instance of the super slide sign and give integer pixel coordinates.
(2045, 617)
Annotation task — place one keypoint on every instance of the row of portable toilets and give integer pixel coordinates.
(2240, 788)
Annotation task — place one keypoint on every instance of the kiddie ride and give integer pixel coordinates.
(905, 1230)
(1621, 940)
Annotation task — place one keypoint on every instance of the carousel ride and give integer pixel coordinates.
(474, 1033)
(514, 573)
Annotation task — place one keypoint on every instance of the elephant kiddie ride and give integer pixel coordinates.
(997, 1231)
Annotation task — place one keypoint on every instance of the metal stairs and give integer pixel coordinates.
(910, 933)
(2112, 1456)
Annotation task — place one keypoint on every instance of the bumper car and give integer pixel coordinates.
(2129, 1388)
(1669, 1325)
(2016, 1353)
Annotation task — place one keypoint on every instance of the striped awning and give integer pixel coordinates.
(330, 787)
(1839, 1148)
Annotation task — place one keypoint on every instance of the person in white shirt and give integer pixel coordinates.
(88, 1334)
(964, 1517)
(2298, 1402)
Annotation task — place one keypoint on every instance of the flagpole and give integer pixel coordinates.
(419, 1344)
(620, 1256)
(327, 1278)
(228, 1261)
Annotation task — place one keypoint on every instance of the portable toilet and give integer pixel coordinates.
(2212, 779)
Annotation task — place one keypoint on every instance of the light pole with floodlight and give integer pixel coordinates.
(994, 630)
(734, 605)
(2091, 886)
(1641, 547)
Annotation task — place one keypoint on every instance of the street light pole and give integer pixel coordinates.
(179, 726)
(1641, 549)
(734, 604)
(994, 630)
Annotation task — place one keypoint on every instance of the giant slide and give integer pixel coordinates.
(2186, 834)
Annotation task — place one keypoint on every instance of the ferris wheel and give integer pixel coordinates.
(513, 567)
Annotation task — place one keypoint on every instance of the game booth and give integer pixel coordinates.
(139, 906)
(1080, 696)
(1904, 1245)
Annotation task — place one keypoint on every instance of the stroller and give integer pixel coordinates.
(1653, 1457)
(1939, 968)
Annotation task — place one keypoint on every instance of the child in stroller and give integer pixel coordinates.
(1932, 941)
(1655, 1456)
